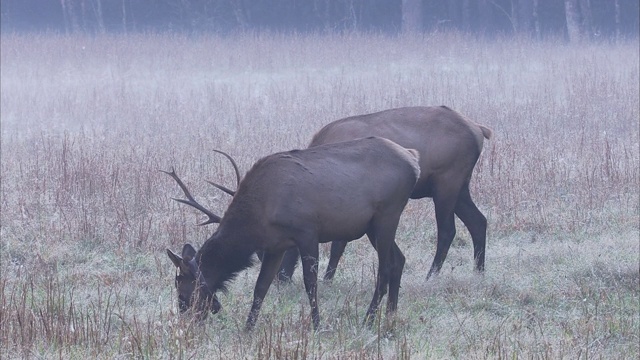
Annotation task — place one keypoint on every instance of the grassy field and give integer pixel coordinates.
(86, 216)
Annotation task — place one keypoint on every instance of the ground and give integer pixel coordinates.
(86, 216)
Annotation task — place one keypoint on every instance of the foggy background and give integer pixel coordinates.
(569, 19)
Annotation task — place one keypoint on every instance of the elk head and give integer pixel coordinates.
(191, 286)
(193, 291)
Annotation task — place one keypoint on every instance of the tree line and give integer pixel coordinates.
(571, 19)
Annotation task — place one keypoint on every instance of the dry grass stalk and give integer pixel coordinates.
(88, 121)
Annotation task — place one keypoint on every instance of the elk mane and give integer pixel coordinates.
(227, 266)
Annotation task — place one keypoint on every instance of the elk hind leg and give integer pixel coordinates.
(337, 249)
(395, 276)
(444, 202)
(288, 266)
(382, 239)
(475, 222)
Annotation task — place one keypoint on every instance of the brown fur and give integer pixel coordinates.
(449, 145)
(299, 199)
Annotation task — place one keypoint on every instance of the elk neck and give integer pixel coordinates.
(223, 256)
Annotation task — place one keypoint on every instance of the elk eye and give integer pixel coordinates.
(180, 279)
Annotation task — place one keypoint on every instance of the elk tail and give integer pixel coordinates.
(416, 165)
(486, 132)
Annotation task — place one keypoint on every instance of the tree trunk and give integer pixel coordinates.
(239, 13)
(466, 15)
(353, 17)
(525, 16)
(83, 15)
(70, 15)
(573, 20)
(97, 10)
(585, 10)
(514, 18)
(411, 16)
(328, 21)
(616, 5)
(536, 20)
(452, 10)
(322, 10)
(124, 18)
(484, 10)
(65, 18)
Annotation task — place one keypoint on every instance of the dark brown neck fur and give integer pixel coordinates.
(221, 258)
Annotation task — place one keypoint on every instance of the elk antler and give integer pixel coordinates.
(213, 218)
(235, 167)
(222, 187)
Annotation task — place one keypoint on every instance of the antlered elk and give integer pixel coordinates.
(449, 145)
(299, 199)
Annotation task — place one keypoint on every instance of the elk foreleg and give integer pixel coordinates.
(382, 279)
(337, 249)
(270, 265)
(309, 257)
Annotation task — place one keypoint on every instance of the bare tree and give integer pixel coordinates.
(466, 14)
(485, 12)
(65, 17)
(239, 11)
(322, 9)
(572, 15)
(411, 16)
(577, 20)
(124, 17)
(616, 5)
(525, 16)
(536, 19)
(70, 16)
(352, 15)
(585, 11)
(97, 12)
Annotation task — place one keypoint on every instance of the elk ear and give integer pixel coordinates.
(188, 252)
(175, 259)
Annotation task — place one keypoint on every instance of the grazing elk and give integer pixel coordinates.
(299, 199)
(449, 145)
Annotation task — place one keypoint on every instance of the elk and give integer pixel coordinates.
(299, 199)
(449, 145)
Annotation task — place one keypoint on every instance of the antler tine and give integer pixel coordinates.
(223, 188)
(213, 218)
(235, 167)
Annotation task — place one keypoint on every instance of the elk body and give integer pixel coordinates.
(299, 199)
(449, 147)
